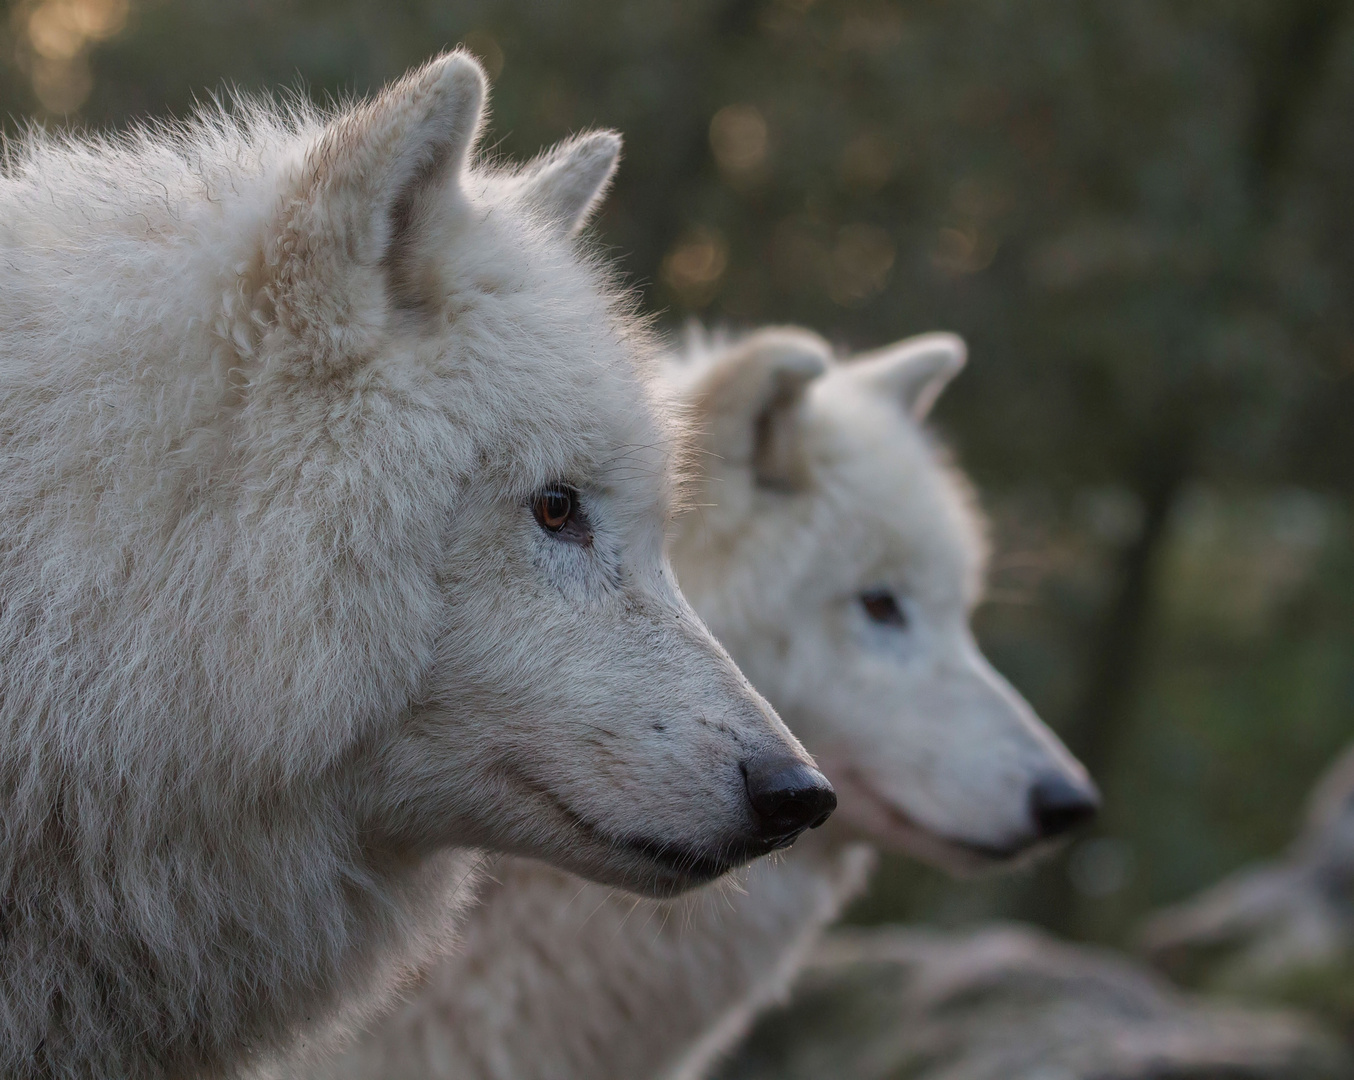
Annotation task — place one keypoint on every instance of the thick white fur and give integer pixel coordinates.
(818, 483)
(279, 630)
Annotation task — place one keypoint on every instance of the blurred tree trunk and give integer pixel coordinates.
(1166, 463)
(1291, 47)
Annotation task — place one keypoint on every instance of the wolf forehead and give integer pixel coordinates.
(515, 335)
(798, 418)
(213, 258)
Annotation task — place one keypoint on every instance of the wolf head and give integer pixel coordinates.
(379, 499)
(573, 706)
(838, 558)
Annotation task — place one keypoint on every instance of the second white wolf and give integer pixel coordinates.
(837, 556)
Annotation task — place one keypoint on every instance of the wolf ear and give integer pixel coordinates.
(913, 371)
(748, 401)
(347, 243)
(385, 164)
(568, 182)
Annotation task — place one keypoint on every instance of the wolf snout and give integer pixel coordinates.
(1058, 804)
(788, 795)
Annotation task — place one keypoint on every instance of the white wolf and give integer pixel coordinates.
(331, 521)
(837, 556)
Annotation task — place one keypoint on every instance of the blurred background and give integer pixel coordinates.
(1138, 214)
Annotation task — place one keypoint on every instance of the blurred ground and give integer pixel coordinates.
(1139, 216)
(1004, 1003)
(1281, 930)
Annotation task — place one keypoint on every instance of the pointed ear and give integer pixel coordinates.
(568, 183)
(913, 371)
(344, 247)
(381, 165)
(747, 400)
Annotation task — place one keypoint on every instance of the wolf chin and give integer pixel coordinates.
(331, 544)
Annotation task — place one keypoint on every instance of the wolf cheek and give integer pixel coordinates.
(624, 744)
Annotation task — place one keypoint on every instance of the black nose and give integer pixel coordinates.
(1059, 805)
(787, 795)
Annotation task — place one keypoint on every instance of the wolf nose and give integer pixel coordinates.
(787, 795)
(1059, 805)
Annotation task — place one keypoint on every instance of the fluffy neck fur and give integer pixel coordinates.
(556, 978)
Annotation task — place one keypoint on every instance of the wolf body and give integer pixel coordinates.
(331, 520)
(837, 554)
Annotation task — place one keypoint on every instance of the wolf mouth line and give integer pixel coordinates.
(682, 862)
(980, 853)
(692, 864)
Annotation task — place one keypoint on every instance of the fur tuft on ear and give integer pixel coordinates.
(349, 232)
(568, 182)
(748, 398)
(913, 371)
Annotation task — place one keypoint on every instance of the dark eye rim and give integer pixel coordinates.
(883, 608)
(566, 522)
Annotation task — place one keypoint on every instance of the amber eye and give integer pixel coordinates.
(553, 507)
(559, 511)
(883, 608)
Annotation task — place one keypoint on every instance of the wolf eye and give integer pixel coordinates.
(553, 508)
(883, 608)
(557, 511)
